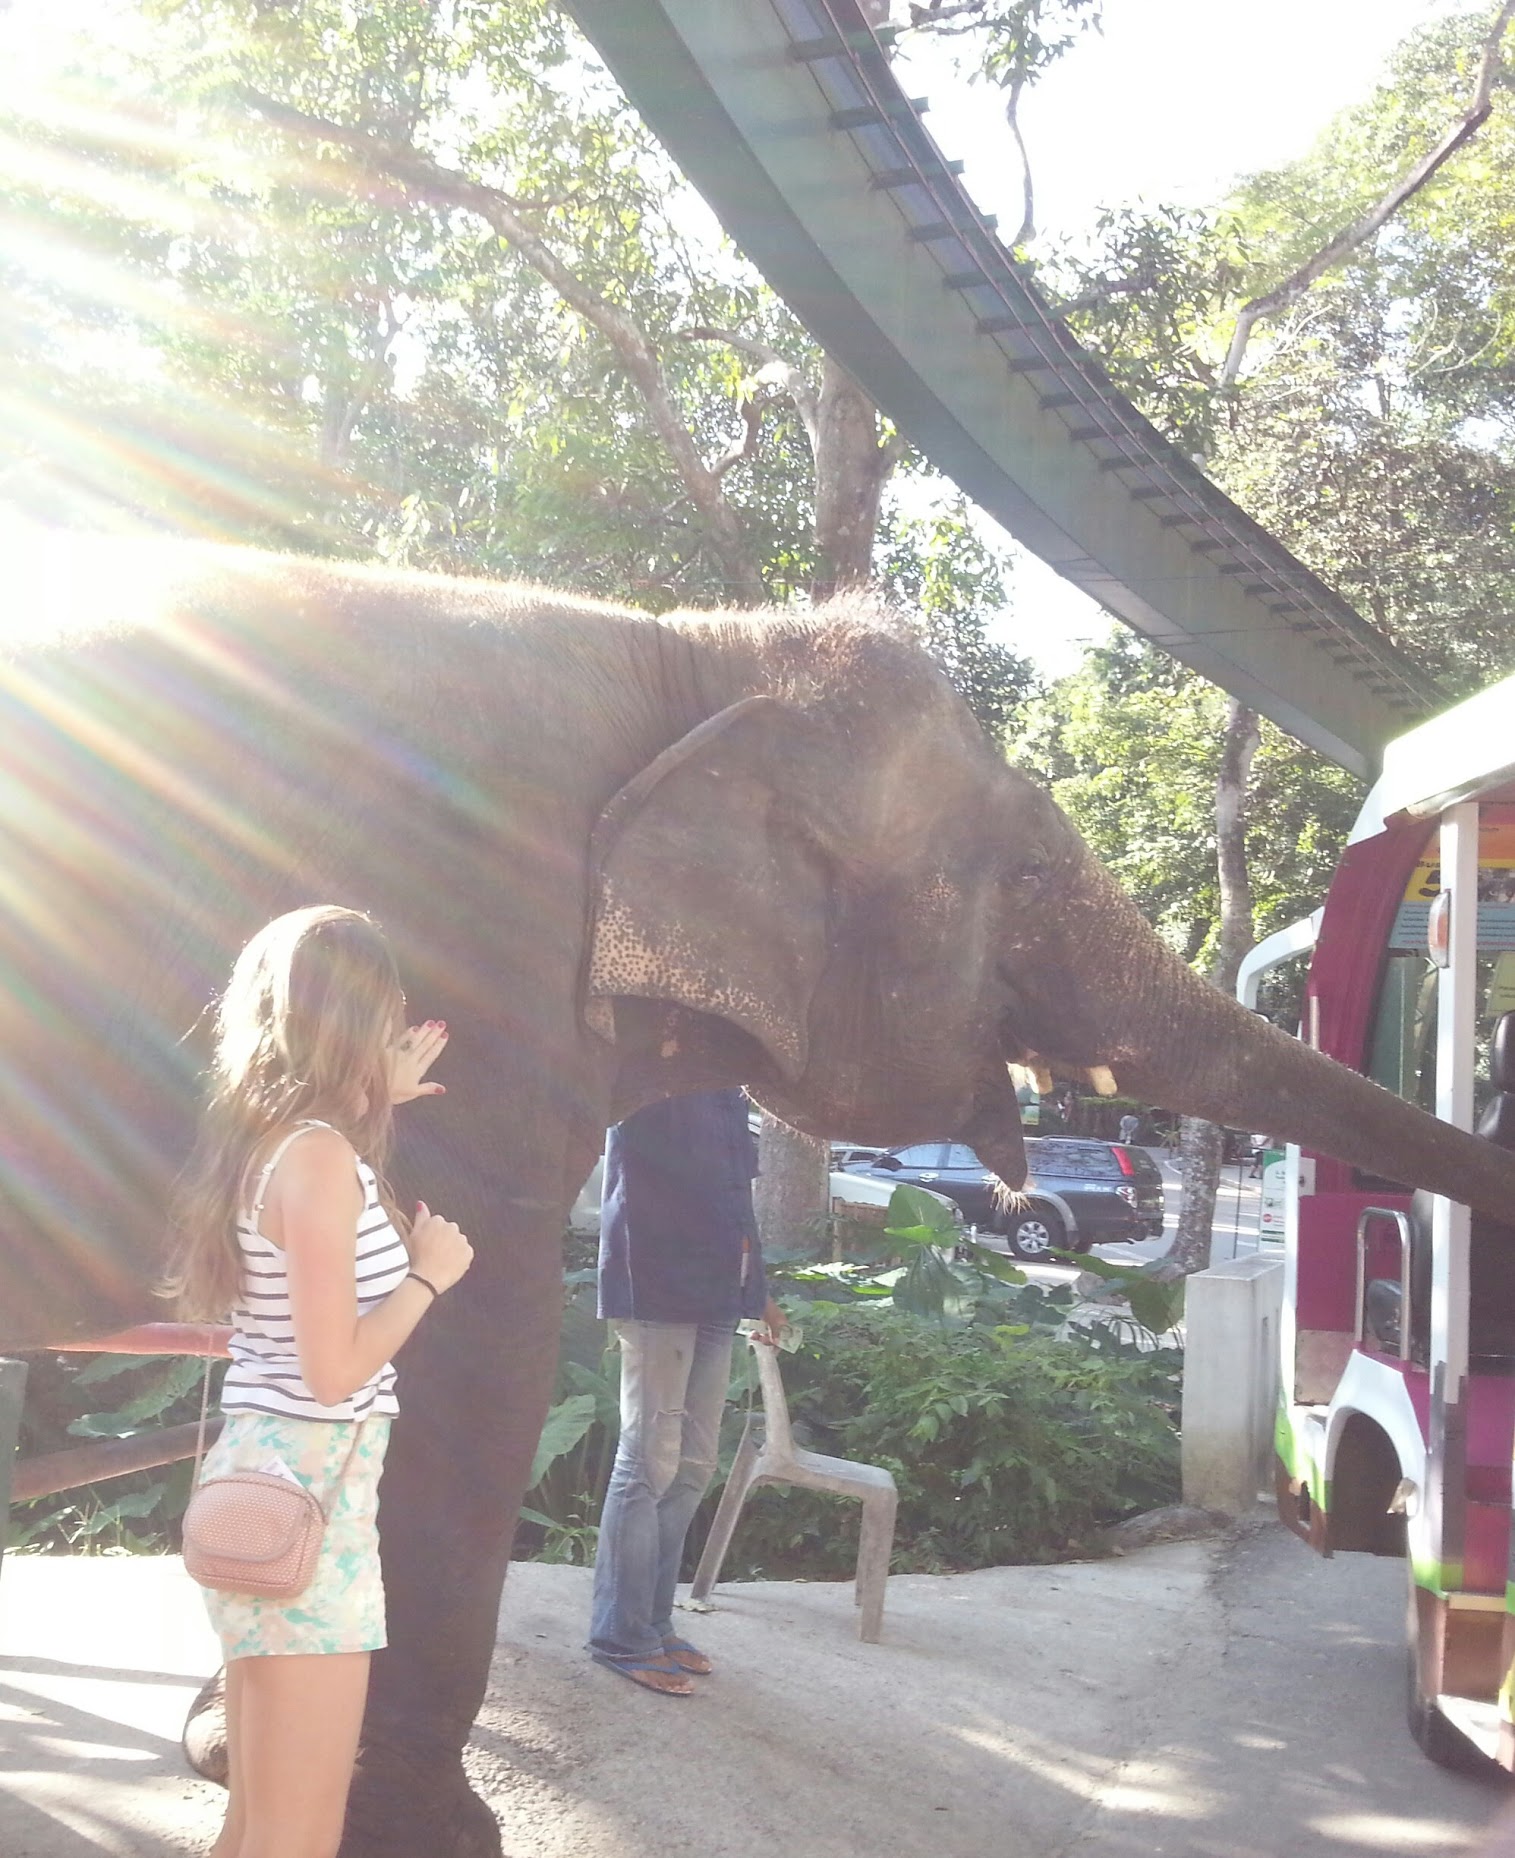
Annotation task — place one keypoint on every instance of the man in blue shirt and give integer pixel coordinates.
(680, 1265)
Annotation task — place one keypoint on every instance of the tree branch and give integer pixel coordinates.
(1097, 298)
(424, 179)
(1027, 230)
(342, 414)
(1363, 228)
(777, 370)
(747, 446)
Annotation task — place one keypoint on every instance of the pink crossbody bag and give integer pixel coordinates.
(255, 1532)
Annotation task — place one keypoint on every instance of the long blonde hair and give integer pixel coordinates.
(301, 1033)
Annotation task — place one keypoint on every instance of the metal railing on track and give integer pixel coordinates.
(789, 116)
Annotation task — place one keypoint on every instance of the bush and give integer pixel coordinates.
(136, 1514)
(1009, 1443)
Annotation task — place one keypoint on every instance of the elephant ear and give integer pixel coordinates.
(712, 885)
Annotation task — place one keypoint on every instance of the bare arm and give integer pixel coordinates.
(312, 1212)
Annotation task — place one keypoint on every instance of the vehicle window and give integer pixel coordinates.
(1051, 1157)
(1092, 1160)
(923, 1155)
(960, 1157)
(1402, 1051)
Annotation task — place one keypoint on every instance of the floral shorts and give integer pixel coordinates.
(342, 1610)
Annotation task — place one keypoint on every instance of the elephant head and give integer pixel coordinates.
(839, 866)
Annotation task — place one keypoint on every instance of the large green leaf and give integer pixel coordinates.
(919, 1218)
(565, 1425)
(1157, 1303)
(925, 1285)
(992, 1263)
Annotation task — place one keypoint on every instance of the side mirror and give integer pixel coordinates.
(891, 1162)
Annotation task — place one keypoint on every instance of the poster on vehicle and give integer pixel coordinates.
(1273, 1196)
(1270, 1211)
(1496, 891)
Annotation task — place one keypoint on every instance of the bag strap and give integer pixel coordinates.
(200, 1435)
(357, 1437)
(260, 1194)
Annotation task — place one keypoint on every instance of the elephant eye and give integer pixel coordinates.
(1031, 871)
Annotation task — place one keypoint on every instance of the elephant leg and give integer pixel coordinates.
(204, 1738)
(474, 1385)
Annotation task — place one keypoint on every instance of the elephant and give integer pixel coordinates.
(623, 857)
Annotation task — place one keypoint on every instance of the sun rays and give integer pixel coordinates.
(145, 383)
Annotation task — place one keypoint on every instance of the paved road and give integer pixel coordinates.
(1282, 1728)
(1233, 1235)
(1194, 1700)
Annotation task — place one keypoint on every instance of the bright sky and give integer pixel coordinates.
(1170, 103)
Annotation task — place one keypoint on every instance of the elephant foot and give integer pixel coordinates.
(204, 1737)
(398, 1809)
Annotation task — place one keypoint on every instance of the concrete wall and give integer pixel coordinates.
(1231, 1316)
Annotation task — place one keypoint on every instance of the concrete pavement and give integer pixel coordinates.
(1200, 1700)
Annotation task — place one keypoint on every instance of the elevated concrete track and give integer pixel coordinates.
(787, 116)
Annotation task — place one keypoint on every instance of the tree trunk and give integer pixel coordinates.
(851, 468)
(792, 1194)
(1201, 1144)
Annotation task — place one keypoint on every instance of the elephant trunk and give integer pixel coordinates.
(1174, 1039)
(1231, 1067)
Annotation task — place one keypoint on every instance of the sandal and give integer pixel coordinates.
(661, 1674)
(687, 1657)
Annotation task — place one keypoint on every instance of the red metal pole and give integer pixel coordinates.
(51, 1472)
(152, 1339)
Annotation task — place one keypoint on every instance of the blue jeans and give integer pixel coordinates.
(673, 1387)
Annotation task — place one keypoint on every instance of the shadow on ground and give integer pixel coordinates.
(1238, 1700)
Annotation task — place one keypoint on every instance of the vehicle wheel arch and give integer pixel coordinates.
(1377, 1392)
(1050, 1198)
(1366, 1469)
(1038, 1200)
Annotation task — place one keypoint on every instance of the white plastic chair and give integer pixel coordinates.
(781, 1461)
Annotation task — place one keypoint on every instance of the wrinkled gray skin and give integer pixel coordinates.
(622, 858)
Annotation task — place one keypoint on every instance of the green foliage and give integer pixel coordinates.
(1150, 293)
(1009, 1442)
(1007, 43)
(135, 1514)
(1156, 1303)
(577, 1448)
(1130, 748)
(1373, 427)
(1012, 1432)
(225, 331)
(939, 568)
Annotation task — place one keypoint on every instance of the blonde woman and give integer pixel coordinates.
(287, 1226)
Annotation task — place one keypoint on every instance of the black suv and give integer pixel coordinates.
(1079, 1192)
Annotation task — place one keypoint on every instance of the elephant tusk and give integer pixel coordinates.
(1103, 1080)
(1034, 1074)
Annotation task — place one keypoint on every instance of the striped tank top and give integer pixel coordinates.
(264, 1376)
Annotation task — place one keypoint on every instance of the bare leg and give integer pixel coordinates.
(297, 1722)
(229, 1842)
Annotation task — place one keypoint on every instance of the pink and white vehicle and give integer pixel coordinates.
(1397, 1411)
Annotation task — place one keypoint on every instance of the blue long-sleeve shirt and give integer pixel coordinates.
(678, 1240)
